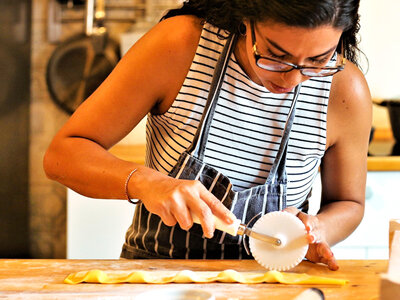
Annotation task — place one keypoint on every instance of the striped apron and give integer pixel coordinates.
(246, 205)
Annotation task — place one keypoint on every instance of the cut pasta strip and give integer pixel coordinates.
(187, 276)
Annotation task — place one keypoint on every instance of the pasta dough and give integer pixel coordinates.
(186, 276)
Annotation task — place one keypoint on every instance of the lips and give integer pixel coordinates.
(279, 89)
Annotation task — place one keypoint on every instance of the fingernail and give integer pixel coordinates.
(313, 238)
(230, 218)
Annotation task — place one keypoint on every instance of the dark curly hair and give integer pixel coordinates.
(229, 15)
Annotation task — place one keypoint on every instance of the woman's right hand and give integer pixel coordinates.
(175, 200)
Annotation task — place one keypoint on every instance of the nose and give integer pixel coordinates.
(293, 78)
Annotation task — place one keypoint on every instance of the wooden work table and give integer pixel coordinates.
(43, 279)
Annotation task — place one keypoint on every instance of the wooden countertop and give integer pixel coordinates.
(43, 279)
(383, 163)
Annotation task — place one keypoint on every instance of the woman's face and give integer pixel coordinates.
(296, 45)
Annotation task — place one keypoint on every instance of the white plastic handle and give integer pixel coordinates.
(232, 229)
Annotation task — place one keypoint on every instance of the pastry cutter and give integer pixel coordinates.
(277, 240)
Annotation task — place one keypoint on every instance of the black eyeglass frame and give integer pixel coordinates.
(301, 68)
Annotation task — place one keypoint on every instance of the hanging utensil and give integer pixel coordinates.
(80, 64)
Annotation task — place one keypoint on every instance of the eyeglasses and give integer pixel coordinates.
(275, 65)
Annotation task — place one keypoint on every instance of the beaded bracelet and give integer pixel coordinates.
(136, 201)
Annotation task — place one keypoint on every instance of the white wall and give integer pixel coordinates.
(380, 41)
(96, 227)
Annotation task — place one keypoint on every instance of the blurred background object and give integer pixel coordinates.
(53, 22)
(15, 47)
(81, 63)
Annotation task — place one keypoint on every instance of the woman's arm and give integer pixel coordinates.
(147, 78)
(343, 168)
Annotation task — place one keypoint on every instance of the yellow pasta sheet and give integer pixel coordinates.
(187, 276)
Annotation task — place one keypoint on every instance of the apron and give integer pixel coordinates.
(246, 205)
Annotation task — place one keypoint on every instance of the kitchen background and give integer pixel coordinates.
(33, 209)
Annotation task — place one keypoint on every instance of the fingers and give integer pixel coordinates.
(208, 208)
(172, 211)
(168, 219)
(311, 224)
(292, 210)
(315, 236)
(326, 256)
(183, 216)
(217, 208)
(193, 200)
(188, 198)
(206, 218)
(319, 251)
(306, 219)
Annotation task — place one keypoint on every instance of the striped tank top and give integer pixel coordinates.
(244, 136)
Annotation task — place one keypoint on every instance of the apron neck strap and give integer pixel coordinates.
(280, 160)
(198, 145)
(197, 148)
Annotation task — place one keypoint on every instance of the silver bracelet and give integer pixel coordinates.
(133, 201)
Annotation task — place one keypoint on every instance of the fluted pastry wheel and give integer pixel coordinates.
(292, 233)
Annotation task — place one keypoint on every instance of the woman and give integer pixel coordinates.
(279, 51)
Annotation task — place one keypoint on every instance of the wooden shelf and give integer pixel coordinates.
(383, 134)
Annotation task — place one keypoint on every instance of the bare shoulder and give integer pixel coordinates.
(146, 79)
(165, 53)
(178, 27)
(179, 33)
(350, 105)
(350, 92)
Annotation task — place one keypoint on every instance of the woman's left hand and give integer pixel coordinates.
(319, 250)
